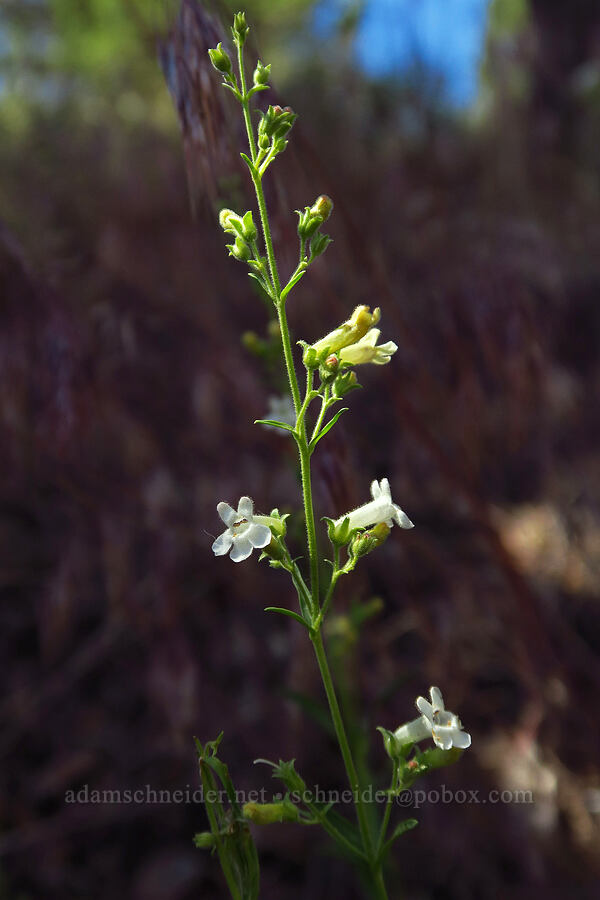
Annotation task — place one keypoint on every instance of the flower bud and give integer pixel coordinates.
(309, 358)
(220, 60)
(204, 840)
(322, 207)
(319, 245)
(276, 122)
(367, 541)
(329, 368)
(230, 222)
(279, 145)
(261, 74)
(268, 813)
(240, 250)
(308, 223)
(240, 29)
(344, 383)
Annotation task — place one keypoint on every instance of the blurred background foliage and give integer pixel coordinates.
(126, 399)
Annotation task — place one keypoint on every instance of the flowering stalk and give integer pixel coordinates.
(355, 534)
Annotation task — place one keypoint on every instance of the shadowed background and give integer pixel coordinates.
(461, 154)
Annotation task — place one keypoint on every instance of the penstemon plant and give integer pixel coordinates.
(329, 364)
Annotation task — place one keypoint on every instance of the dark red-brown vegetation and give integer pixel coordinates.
(126, 407)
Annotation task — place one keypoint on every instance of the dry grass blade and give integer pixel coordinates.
(209, 139)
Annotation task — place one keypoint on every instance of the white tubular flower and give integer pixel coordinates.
(244, 532)
(436, 722)
(379, 509)
(366, 350)
(349, 332)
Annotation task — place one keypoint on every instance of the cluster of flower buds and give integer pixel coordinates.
(274, 126)
(244, 231)
(366, 541)
(341, 379)
(240, 29)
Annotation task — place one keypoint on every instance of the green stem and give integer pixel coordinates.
(300, 584)
(388, 812)
(287, 351)
(245, 103)
(309, 513)
(214, 827)
(317, 640)
(379, 883)
(340, 731)
(332, 831)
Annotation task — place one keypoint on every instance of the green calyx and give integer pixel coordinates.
(240, 29)
(220, 60)
(261, 74)
(269, 813)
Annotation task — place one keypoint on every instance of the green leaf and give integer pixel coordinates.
(263, 284)
(210, 746)
(221, 770)
(275, 424)
(290, 613)
(399, 830)
(250, 165)
(304, 604)
(258, 87)
(348, 830)
(293, 281)
(233, 90)
(240, 852)
(327, 428)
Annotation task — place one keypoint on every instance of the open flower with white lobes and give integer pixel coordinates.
(436, 722)
(244, 531)
(380, 509)
(366, 350)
